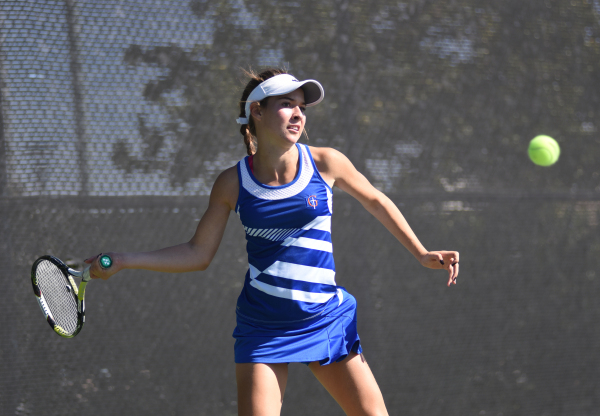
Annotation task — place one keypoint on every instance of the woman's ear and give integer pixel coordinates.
(255, 110)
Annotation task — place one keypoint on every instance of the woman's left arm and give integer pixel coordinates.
(339, 171)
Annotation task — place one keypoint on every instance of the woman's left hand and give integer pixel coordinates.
(443, 260)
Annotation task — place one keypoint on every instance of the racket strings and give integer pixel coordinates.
(61, 301)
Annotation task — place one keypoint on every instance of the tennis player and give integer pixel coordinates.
(291, 308)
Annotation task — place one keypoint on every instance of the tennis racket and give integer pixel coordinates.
(61, 301)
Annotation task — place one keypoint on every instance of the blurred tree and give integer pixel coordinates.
(426, 95)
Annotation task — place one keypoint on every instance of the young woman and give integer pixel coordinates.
(290, 309)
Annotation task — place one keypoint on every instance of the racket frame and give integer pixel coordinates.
(69, 273)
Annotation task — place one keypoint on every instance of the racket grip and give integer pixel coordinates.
(85, 274)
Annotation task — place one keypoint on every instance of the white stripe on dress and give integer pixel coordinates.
(292, 294)
(254, 272)
(309, 243)
(278, 234)
(301, 273)
(322, 223)
(271, 233)
(281, 292)
(263, 232)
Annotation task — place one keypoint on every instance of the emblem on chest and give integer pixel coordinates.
(312, 202)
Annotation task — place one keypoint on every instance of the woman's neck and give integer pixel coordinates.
(276, 166)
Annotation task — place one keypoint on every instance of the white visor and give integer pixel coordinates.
(283, 84)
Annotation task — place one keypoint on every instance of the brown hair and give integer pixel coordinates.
(249, 130)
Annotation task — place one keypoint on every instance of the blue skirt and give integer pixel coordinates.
(326, 338)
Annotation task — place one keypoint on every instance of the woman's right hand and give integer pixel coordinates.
(196, 254)
(99, 272)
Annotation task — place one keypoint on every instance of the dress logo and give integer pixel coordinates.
(312, 201)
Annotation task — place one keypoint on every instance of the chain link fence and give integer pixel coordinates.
(116, 117)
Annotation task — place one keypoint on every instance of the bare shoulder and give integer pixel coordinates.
(339, 171)
(325, 155)
(331, 163)
(328, 160)
(226, 188)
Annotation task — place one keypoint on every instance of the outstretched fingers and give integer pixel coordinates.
(443, 260)
(453, 258)
(452, 273)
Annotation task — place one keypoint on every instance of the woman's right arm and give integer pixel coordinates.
(194, 255)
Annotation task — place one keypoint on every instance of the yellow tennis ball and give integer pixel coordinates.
(543, 150)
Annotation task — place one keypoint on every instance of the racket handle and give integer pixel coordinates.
(85, 274)
(105, 262)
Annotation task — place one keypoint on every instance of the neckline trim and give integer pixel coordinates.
(298, 175)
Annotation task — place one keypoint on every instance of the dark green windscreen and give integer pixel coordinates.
(116, 117)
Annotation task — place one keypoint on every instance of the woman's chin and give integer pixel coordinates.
(292, 138)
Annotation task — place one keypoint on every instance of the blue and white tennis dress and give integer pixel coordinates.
(290, 309)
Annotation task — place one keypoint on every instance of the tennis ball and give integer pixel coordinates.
(543, 150)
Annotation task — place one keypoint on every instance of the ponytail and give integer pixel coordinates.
(249, 139)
